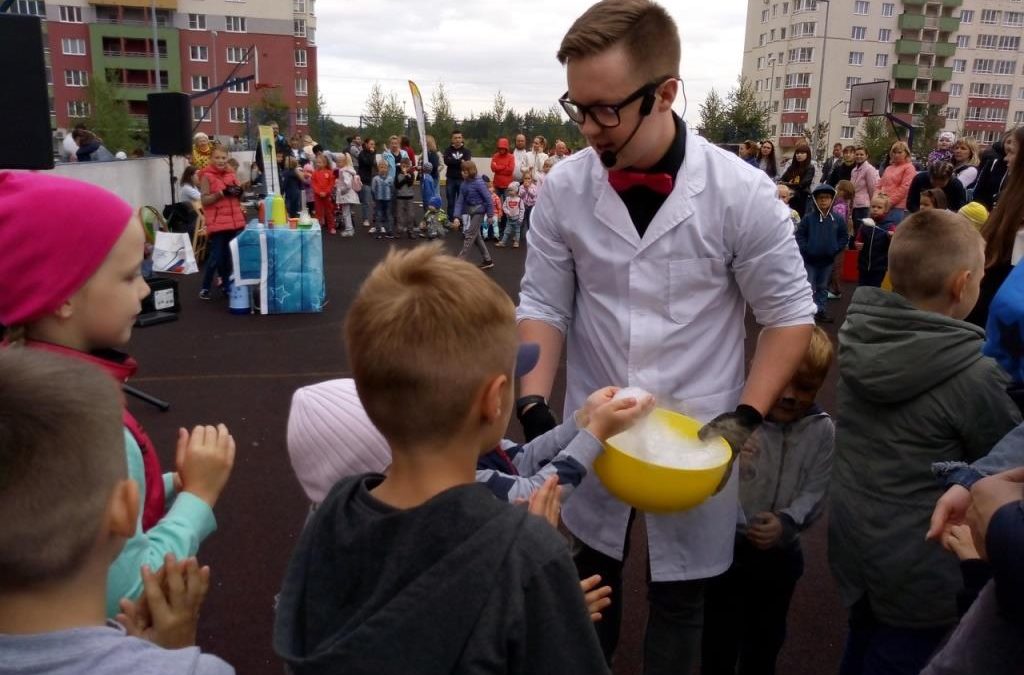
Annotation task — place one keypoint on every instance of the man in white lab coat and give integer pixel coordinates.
(644, 251)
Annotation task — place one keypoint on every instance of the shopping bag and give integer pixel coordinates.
(172, 254)
(850, 271)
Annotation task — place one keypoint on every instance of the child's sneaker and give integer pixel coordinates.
(487, 264)
(204, 294)
(366, 223)
(500, 244)
(373, 230)
(333, 231)
(348, 233)
(515, 244)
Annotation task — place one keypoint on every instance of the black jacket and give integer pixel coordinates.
(453, 159)
(956, 195)
(842, 171)
(464, 583)
(991, 173)
(367, 167)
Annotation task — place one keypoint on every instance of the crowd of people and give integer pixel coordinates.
(644, 255)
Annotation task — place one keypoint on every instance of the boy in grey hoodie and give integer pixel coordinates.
(914, 389)
(784, 474)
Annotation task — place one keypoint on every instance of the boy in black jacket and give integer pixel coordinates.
(821, 235)
(424, 570)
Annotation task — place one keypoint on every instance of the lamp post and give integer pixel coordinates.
(821, 78)
(156, 45)
(771, 84)
(832, 110)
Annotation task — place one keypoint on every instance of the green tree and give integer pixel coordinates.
(748, 117)
(876, 136)
(109, 118)
(442, 120)
(932, 122)
(817, 140)
(714, 117)
(272, 108)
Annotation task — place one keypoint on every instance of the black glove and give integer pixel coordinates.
(538, 419)
(735, 427)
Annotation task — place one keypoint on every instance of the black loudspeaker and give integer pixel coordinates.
(170, 124)
(25, 109)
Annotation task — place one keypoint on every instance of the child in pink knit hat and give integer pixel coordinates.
(71, 285)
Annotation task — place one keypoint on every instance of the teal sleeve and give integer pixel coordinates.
(169, 492)
(188, 522)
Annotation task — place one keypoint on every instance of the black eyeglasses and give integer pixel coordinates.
(606, 116)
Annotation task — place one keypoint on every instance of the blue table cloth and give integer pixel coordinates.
(286, 265)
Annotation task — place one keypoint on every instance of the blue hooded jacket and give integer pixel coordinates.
(821, 235)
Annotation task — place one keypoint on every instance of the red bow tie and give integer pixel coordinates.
(623, 180)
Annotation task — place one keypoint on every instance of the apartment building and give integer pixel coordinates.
(194, 45)
(802, 56)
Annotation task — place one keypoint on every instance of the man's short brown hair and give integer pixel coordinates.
(643, 28)
(424, 334)
(61, 453)
(927, 249)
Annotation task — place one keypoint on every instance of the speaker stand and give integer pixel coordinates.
(172, 177)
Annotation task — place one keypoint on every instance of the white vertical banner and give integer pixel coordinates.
(421, 119)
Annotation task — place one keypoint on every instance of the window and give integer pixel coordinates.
(782, 33)
(798, 80)
(302, 116)
(78, 109)
(300, 58)
(967, 16)
(987, 114)
(985, 136)
(31, 8)
(859, 32)
(764, 16)
(884, 35)
(301, 86)
(200, 83)
(760, 61)
(234, 24)
(76, 78)
(757, 86)
(794, 105)
(846, 132)
(299, 29)
(299, 6)
(963, 41)
(49, 77)
(860, 7)
(801, 55)
(199, 53)
(956, 90)
(952, 113)
(881, 60)
(792, 129)
(239, 88)
(771, 35)
(238, 114)
(235, 54)
(1005, 67)
(804, 6)
(72, 46)
(785, 8)
(1015, 19)
(775, 106)
(987, 41)
(856, 59)
(778, 81)
(888, 8)
(200, 113)
(990, 16)
(1018, 117)
(1009, 43)
(773, 130)
(959, 65)
(1020, 94)
(804, 29)
(775, 10)
(989, 90)
(982, 65)
(69, 14)
(850, 81)
(197, 21)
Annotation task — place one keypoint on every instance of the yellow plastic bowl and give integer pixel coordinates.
(655, 488)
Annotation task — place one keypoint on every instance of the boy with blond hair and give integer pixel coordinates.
(68, 506)
(424, 570)
(914, 389)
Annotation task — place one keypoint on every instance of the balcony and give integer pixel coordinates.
(119, 53)
(949, 24)
(937, 48)
(908, 47)
(911, 21)
(904, 71)
(947, 3)
(918, 3)
(938, 97)
(902, 96)
(942, 74)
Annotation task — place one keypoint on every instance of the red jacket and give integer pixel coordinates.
(225, 214)
(121, 366)
(503, 165)
(323, 182)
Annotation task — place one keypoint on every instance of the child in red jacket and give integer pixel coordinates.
(323, 181)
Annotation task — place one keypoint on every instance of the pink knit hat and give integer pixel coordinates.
(330, 437)
(55, 233)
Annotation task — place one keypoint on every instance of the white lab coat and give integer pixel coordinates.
(664, 313)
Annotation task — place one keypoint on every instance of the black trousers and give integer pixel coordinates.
(746, 608)
(674, 621)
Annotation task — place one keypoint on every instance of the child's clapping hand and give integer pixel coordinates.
(958, 539)
(593, 402)
(167, 612)
(204, 461)
(612, 417)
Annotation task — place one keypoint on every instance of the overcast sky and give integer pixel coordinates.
(478, 47)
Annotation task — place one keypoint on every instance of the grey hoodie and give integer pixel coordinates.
(914, 389)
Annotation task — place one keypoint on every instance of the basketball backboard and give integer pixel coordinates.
(869, 99)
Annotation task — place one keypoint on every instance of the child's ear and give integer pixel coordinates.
(123, 509)
(493, 398)
(958, 284)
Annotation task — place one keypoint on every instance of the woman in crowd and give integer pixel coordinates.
(798, 177)
(767, 161)
(895, 181)
(367, 169)
(965, 163)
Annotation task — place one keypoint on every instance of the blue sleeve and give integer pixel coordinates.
(187, 523)
(801, 235)
(842, 236)
(458, 202)
(570, 465)
(1004, 543)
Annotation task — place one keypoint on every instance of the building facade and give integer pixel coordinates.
(195, 45)
(960, 57)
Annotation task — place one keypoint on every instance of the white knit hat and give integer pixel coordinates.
(947, 136)
(330, 437)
